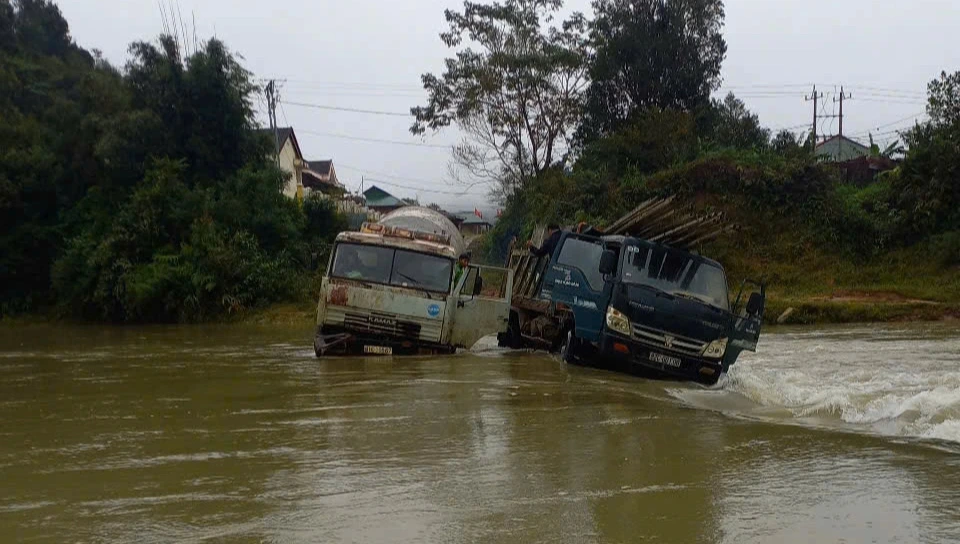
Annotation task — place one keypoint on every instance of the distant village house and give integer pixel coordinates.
(289, 158)
(321, 176)
(304, 176)
(473, 224)
(857, 163)
(381, 201)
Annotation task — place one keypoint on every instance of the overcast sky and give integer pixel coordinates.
(369, 54)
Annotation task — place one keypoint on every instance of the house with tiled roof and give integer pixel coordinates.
(841, 149)
(381, 201)
(321, 176)
(473, 225)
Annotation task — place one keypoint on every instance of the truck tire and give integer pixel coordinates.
(569, 352)
(512, 338)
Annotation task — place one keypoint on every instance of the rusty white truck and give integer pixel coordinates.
(394, 288)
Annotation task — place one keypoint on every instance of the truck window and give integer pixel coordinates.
(584, 255)
(422, 271)
(677, 273)
(493, 283)
(389, 266)
(366, 263)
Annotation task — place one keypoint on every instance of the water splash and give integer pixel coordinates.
(883, 381)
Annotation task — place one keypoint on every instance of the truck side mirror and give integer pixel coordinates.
(477, 285)
(755, 304)
(608, 262)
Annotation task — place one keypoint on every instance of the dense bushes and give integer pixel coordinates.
(778, 188)
(142, 196)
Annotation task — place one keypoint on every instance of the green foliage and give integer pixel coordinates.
(514, 87)
(656, 140)
(649, 55)
(944, 249)
(146, 196)
(925, 189)
(650, 130)
(728, 123)
(944, 99)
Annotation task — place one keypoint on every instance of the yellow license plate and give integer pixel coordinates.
(378, 350)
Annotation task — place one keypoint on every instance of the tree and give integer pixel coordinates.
(41, 28)
(728, 123)
(893, 150)
(204, 102)
(8, 36)
(786, 143)
(944, 99)
(651, 54)
(655, 141)
(517, 96)
(927, 189)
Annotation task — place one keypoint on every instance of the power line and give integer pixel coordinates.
(350, 110)
(421, 189)
(376, 140)
(892, 123)
(360, 93)
(892, 101)
(284, 112)
(413, 180)
(351, 84)
(882, 89)
(384, 174)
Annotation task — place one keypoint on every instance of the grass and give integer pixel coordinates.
(300, 313)
(824, 287)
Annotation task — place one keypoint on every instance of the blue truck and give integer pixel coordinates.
(635, 305)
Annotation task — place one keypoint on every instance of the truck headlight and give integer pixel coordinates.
(618, 322)
(715, 349)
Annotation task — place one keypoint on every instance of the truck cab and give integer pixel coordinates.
(648, 306)
(390, 289)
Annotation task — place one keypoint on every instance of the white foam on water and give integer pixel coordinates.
(902, 383)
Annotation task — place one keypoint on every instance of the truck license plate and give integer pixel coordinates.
(378, 350)
(665, 360)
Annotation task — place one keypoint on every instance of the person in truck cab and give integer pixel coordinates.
(462, 264)
(549, 245)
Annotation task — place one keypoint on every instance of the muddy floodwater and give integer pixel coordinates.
(239, 434)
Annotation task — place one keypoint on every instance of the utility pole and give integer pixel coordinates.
(816, 115)
(272, 98)
(840, 100)
(816, 99)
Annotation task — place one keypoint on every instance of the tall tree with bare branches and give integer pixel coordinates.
(514, 88)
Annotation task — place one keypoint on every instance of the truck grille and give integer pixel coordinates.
(662, 340)
(397, 326)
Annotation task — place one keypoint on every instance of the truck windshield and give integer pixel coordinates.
(677, 273)
(389, 266)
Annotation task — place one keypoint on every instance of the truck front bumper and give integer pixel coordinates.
(638, 357)
(332, 340)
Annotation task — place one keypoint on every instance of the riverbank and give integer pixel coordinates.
(843, 308)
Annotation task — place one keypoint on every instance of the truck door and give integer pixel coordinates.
(747, 321)
(482, 304)
(573, 279)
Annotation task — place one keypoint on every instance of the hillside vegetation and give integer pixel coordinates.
(143, 194)
(582, 119)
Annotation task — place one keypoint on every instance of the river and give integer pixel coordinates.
(239, 434)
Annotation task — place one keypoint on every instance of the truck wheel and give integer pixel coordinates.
(514, 340)
(570, 349)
